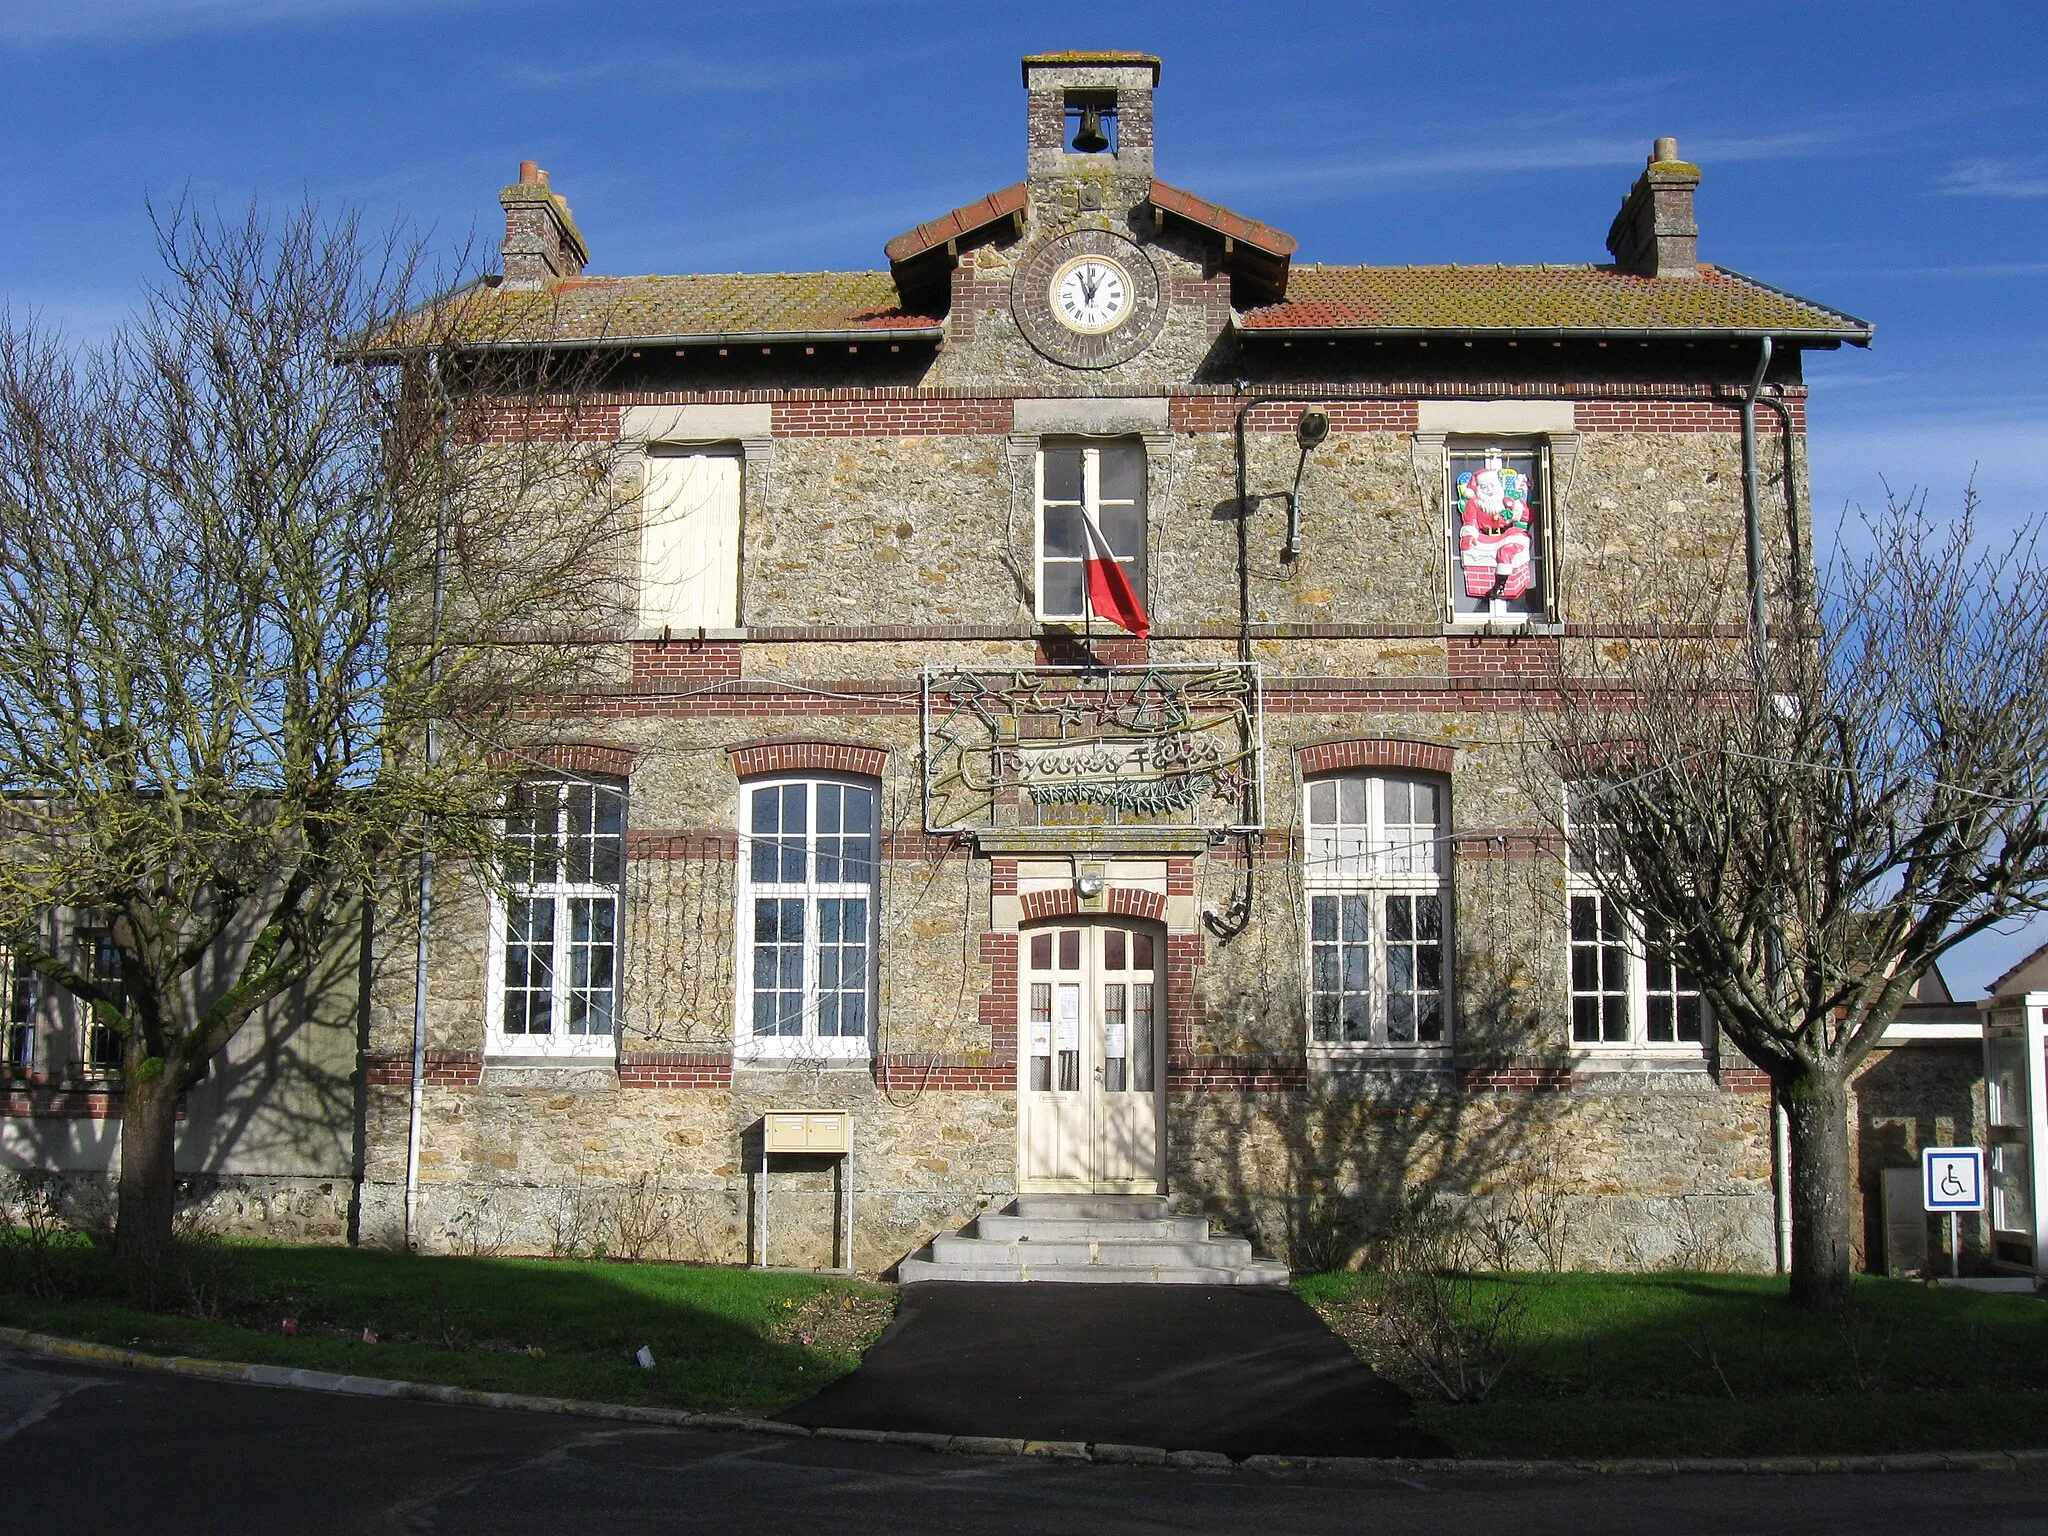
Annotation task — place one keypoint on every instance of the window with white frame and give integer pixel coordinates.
(1626, 992)
(807, 916)
(690, 538)
(556, 961)
(1499, 533)
(1105, 480)
(1378, 912)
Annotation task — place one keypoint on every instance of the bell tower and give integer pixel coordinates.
(1088, 134)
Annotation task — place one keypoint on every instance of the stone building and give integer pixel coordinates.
(871, 810)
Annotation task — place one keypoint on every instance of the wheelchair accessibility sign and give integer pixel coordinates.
(1952, 1178)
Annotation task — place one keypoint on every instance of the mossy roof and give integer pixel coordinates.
(1506, 300)
(695, 306)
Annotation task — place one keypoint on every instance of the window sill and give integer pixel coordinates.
(550, 1051)
(782, 1053)
(1689, 1057)
(1368, 1058)
(586, 1072)
(1508, 626)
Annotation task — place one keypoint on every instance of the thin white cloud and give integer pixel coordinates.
(1996, 178)
(28, 23)
(671, 72)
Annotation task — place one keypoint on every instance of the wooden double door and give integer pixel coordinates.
(1091, 1063)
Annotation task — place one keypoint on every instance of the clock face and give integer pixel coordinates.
(1091, 295)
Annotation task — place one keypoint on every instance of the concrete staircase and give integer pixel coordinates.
(1100, 1239)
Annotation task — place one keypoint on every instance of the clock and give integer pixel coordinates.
(1091, 295)
(1088, 299)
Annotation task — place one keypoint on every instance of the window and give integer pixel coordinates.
(99, 959)
(690, 539)
(1378, 912)
(18, 1025)
(556, 935)
(1499, 534)
(1105, 480)
(807, 913)
(1625, 989)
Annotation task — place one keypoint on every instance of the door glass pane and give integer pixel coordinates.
(1113, 949)
(1141, 952)
(1142, 1044)
(1115, 1036)
(1039, 1046)
(1067, 1039)
(1041, 952)
(1070, 949)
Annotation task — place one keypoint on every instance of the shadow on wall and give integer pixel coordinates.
(1912, 1097)
(1318, 1174)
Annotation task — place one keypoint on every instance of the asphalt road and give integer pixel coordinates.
(88, 1450)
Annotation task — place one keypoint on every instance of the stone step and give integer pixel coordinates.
(914, 1271)
(1093, 1207)
(1038, 1229)
(1105, 1252)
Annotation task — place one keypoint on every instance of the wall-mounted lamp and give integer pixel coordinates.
(1090, 884)
(1310, 431)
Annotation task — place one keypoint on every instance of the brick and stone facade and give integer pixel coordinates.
(889, 526)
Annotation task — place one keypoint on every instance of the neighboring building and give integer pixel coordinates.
(2016, 1083)
(267, 1141)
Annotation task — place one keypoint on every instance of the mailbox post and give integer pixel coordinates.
(810, 1133)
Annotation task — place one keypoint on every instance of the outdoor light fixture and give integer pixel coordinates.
(1309, 431)
(1090, 884)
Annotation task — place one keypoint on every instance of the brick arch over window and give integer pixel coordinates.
(1117, 901)
(806, 755)
(1377, 752)
(573, 757)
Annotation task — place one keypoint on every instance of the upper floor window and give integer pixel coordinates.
(1079, 481)
(807, 914)
(1626, 991)
(690, 539)
(556, 934)
(1499, 534)
(1378, 912)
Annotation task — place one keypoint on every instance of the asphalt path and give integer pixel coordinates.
(88, 1450)
(1243, 1370)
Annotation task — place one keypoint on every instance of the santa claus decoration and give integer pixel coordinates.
(1495, 546)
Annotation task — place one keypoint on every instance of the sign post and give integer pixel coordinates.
(1952, 1180)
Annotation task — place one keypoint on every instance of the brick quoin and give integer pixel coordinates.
(1184, 955)
(676, 1069)
(1505, 658)
(998, 1010)
(1512, 1079)
(684, 660)
(1377, 752)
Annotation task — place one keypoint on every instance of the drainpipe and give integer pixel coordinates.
(1759, 635)
(426, 875)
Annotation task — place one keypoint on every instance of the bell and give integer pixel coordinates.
(1091, 140)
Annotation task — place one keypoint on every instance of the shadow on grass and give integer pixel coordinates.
(1714, 1365)
(721, 1338)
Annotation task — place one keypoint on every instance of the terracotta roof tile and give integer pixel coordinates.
(1548, 298)
(962, 221)
(1172, 199)
(697, 305)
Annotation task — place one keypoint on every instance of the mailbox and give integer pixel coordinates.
(820, 1131)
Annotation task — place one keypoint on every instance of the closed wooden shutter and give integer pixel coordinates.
(690, 541)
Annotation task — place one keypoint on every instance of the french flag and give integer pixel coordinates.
(1109, 590)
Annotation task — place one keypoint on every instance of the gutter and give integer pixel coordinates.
(701, 339)
(1815, 337)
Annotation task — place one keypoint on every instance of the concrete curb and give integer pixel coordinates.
(1101, 1453)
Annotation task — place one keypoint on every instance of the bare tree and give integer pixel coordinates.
(257, 549)
(1811, 822)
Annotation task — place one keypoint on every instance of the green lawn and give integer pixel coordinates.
(1719, 1365)
(723, 1339)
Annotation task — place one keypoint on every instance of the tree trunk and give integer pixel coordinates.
(1817, 1114)
(142, 1227)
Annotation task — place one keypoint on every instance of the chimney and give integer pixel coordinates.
(541, 240)
(1655, 234)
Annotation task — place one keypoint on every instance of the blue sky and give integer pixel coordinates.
(1889, 159)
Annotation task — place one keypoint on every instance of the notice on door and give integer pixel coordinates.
(1070, 1018)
